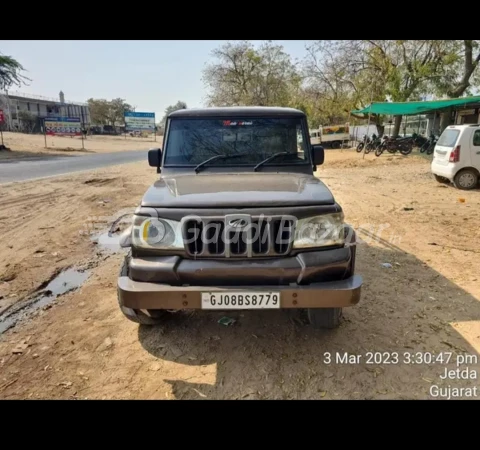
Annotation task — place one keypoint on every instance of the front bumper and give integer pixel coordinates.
(318, 279)
(330, 294)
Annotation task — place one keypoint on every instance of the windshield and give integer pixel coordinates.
(193, 141)
(448, 138)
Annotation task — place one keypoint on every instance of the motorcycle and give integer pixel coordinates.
(429, 146)
(365, 140)
(373, 144)
(392, 145)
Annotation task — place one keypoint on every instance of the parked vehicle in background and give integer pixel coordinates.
(332, 136)
(365, 141)
(457, 156)
(373, 144)
(429, 146)
(402, 144)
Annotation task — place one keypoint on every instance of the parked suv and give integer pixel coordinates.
(457, 156)
(237, 220)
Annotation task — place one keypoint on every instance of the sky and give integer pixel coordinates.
(149, 75)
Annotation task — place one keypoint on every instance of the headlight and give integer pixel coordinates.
(320, 231)
(151, 232)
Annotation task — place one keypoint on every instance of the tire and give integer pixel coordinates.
(440, 179)
(325, 318)
(406, 149)
(368, 148)
(378, 150)
(424, 147)
(430, 149)
(330, 318)
(391, 149)
(136, 315)
(360, 147)
(466, 179)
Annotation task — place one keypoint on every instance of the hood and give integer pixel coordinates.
(211, 190)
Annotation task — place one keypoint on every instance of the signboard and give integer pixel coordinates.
(466, 112)
(2, 116)
(140, 121)
(63, 126)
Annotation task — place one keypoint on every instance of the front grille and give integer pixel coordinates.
(238, 236)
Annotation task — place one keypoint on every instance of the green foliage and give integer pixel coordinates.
(10, 72)
(170, 109)
(27, 120)
(244, 75)
(459, 72)
(108, 112)
(338, 76)
(350, 74)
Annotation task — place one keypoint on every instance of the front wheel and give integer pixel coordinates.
(360, 147)
(324, 318)
(378, 150)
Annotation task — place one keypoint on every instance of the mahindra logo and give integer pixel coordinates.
(238, 223)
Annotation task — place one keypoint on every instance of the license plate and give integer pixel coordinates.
(240, 300)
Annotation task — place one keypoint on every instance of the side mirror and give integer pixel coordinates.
(154, 157)
(318, 155)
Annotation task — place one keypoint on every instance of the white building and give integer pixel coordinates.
(13, 103)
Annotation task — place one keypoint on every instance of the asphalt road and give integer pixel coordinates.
(52, 165)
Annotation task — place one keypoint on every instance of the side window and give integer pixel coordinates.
(476, 138)
(300, 143)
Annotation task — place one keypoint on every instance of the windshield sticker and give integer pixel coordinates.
(234, 123)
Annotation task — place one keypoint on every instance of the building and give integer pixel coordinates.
(39, 107)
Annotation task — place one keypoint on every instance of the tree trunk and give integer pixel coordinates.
(445, 119)
(396, 128)
(380, 129)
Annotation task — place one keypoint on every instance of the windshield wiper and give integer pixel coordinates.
(275, 155)
(213, 158)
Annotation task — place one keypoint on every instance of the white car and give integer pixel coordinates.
(457, 156)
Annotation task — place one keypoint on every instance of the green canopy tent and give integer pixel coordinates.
(414, 108)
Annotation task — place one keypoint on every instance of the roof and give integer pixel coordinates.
(464, 125)
(34, 98)
(412, 108)
(238, 111)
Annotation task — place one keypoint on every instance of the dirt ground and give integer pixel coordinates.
(24, 145)
(426, 302)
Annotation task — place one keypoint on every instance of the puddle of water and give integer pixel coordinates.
(108, 243)
(64, 282)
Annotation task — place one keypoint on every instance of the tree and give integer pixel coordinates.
(350, 74)
(10, 72)
(105, 112)
(170, 109)
(244, 75)
(118, 108)
(460, 73)
(27, 120)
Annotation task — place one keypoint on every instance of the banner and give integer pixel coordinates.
(140, 121)
(63, 126)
